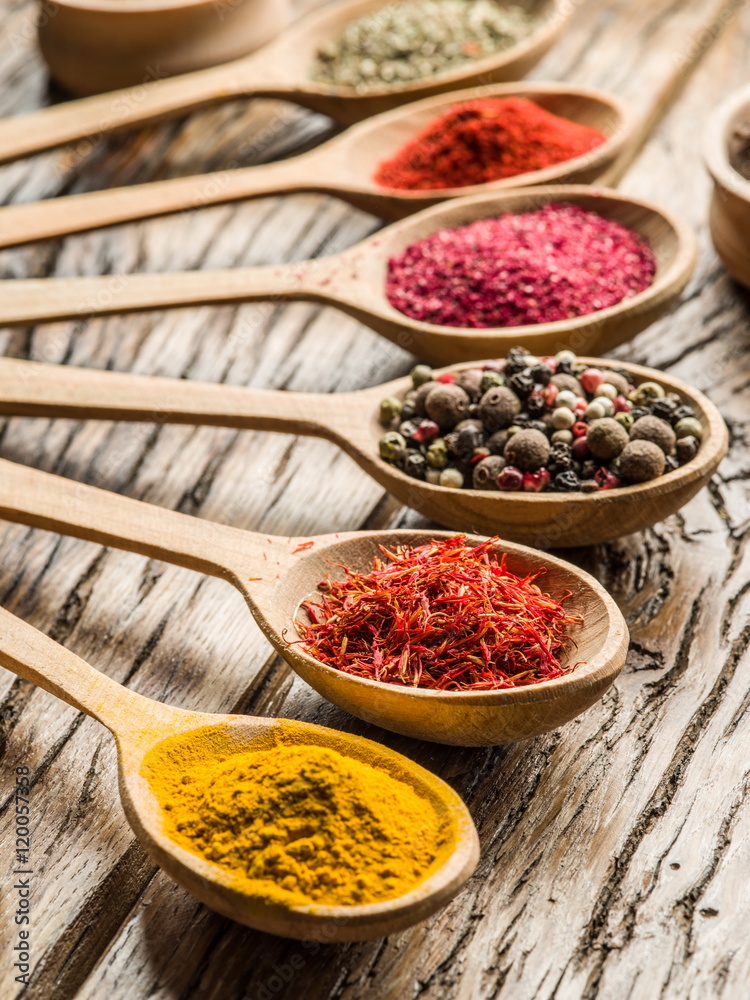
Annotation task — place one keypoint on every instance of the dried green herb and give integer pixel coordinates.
(410, 41)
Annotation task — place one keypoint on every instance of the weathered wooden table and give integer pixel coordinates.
(616, 851)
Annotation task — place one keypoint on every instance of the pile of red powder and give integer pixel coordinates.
(486, 140)
(555, 263)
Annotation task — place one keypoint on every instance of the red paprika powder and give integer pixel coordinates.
(485, 140)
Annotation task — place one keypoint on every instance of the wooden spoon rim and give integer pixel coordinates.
(455, 868)
(385, 243)
(712, 450)
(619, 136)
(716, 144)
(604, 664)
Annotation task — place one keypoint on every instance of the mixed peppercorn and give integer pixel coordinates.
(536, 424)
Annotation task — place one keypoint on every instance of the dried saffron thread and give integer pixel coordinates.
(485, 140)
(446, 616)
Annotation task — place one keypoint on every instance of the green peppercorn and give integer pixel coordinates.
(391, 446)
(437, 454)
(626, 419)
(689, 427)
(390, 410)
(646, 393)
(421, 374)
(491, 380)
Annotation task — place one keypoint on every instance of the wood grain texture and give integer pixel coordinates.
(615, 850)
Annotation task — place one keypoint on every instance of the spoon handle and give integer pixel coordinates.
(155, 100)
(78, 213)
(39, 659)
(39, 300)
(42, 500)
(32, 389)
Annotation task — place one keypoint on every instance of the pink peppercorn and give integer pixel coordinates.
(427, 431)
(579, 429)
(446, 378)
(551, 264)
(535, 482)
(510, 479)
(580, 449)
(591, 379)
(621, 405)
(606, 480)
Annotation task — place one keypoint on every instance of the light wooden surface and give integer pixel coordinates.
(544, 520)
(140, 726)
(615, 850)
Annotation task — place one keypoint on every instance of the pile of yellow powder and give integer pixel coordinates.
(298, 823)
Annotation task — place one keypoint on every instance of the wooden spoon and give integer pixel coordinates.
(345, 167)
(280, 69)
(141, 725)
(275, 575)
(354, 281)
(349, 419)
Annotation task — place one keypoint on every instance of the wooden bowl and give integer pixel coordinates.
(92, 46)
(561, 520)
(729, 214)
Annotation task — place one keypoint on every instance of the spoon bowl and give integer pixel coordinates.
(146, 732)
(544, 520)
(276, 574)
(729, 215)
(281, 69)
(344, 167)
(354, 282)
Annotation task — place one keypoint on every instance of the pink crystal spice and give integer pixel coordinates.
(555, 263)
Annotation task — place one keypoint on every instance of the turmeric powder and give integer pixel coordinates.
(297, 822)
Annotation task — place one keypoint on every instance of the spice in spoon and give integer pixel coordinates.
(552, 264)
(402, 42)
(294, 823)
(550, 424)
(447, 616)
(486, 140)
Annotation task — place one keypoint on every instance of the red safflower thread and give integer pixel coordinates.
(447, 616)
(521, 269)
(485, 140)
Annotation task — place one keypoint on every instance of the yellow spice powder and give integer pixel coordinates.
(298, 823)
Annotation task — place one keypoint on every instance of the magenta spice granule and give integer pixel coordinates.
(536, 267)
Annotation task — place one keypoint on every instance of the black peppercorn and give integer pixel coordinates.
(564, 367)
(515, 360)
(535, 405)
(639, 411)
(408, 410)
(683, 411)
(415, 464)
(567, 482)
(541, 373)
(521, 383)
(664, 408)
(560, 458)
(537, 425)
